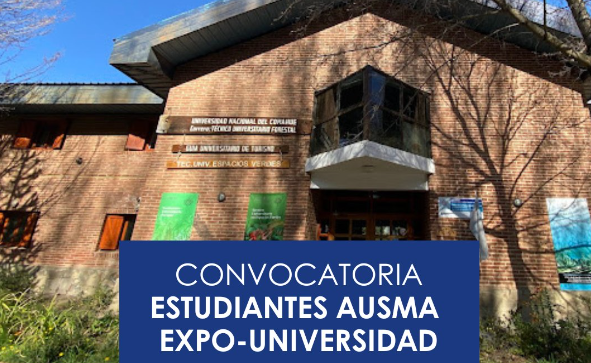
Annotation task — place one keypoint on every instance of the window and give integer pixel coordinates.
(17, 228)
(40, 134)
(372, 106)
(142, 136)
(117, 227)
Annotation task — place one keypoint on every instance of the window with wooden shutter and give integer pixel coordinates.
(138, 136)
(60, 134)
(116, 228)
(17, 228)
(30, 225)
(41, 134)
(24, 135)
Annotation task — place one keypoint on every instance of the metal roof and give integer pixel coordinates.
(150, 55)
(79, 98)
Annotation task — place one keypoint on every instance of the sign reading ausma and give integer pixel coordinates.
(234, 125)
(299, 301)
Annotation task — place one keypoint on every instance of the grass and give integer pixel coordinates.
(34, 329)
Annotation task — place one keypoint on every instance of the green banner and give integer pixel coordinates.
(266, 217)
(175, 217)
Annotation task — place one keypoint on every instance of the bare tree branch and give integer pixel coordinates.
(581, 57)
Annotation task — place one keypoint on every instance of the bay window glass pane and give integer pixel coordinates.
(324, 136)
(351, 127)
(423, 110)
(416, 139)
(392, 97)
(351, 92)
(409, 102)
(390, 133)
(376, 88)
(375, 98)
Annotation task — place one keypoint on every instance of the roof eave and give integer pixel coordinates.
(150, 55)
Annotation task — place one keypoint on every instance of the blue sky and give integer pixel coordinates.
(85, 39)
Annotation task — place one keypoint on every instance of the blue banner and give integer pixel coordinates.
(265, 301)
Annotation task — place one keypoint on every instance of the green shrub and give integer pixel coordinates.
(543, 336)
(16, 278)
(539, 335)
(35, 330)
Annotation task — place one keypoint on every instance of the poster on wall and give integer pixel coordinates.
(266, 217)
(570, 224)
(459, 208)
(175, 217)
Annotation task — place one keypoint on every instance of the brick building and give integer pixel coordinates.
(373, 123)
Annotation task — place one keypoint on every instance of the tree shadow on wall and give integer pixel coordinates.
(505, 123)
(515, 137)
(32, 181)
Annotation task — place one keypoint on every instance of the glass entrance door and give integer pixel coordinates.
(355, 216)
(351, 229)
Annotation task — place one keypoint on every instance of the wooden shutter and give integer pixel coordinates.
(25, 133)
(138, 134)
(1, 226)
(29, 230)
(60, 134)
(111, 232)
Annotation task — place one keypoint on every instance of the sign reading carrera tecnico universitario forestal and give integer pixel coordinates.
(235, 125)
(299, 301)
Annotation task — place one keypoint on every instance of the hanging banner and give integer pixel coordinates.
(266, 217)
(186, 125)
(571, 232)
(458, 208)
(175, 217)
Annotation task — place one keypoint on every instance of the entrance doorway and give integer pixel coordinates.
(361, 215)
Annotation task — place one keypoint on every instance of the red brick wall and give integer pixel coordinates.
(489, 108)
(73, 199)
(491, 104)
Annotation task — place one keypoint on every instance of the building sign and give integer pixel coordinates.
(571, 232)
(234, 149)
(175, 216)
(299, 301)
(228, 164)
(458, 208)
(233, 125)
(266, 217)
